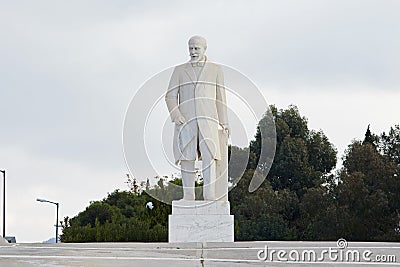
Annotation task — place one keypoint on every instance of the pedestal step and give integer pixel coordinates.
(200, 228)
(198, 207)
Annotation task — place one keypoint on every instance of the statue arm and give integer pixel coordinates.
(221, 100)
(172, 98)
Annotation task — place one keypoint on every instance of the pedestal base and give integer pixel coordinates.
(200, 221)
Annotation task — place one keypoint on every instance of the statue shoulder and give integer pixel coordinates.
(180, 67)
(214, 66)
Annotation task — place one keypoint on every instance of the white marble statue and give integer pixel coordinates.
(196, 100)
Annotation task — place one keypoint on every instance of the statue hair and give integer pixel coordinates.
(198, 39)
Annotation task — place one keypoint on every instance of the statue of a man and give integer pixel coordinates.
(196, 100)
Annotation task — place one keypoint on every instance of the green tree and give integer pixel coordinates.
(263, 214)
(378, 203)
(300, 199)
(389, 144)
(379, 172)
(360, 202)
(303, 160)
(121, 216)
(370, 138)
(364, 214)
(302, 157)
(319, 216)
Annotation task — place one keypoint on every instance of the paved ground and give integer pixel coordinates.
(201, 254)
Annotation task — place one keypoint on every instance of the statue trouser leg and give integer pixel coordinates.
(209, 175)
(188, 178)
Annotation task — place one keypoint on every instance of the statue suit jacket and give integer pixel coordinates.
(200, 100)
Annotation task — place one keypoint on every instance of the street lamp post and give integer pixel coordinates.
(58, 205)
(4, 202)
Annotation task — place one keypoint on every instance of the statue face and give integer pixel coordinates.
(196, 51)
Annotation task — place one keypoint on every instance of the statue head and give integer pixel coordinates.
(197, 48)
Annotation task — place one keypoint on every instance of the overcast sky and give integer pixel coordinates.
(68, 70)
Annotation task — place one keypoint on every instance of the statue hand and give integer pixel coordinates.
(180, 120)
(227, 129)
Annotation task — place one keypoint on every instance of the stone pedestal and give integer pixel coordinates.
(200, 221)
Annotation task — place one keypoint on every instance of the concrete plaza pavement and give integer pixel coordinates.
(200, 254)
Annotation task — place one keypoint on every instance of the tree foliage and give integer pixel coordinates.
(303, 160)
(302, 155)
(121, 216)
(361, 201)
(302, 198)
